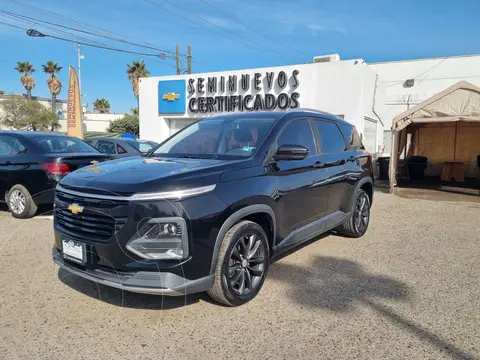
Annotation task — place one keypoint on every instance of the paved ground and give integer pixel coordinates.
(410, 289)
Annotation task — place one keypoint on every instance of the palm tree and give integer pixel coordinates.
(54, 83)
(136, 71)
(102, 106)
(28, 81)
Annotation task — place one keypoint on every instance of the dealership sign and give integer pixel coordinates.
(257, 92)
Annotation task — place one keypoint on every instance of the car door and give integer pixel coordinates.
(12, 151)
(301, 199)
(337, 160)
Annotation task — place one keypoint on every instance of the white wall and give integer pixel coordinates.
(336, 87)
(94, 122)
(431, 76)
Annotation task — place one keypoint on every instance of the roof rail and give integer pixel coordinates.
(315, 111)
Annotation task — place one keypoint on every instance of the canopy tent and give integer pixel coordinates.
(460, 102)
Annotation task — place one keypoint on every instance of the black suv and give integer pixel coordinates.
(210, 207)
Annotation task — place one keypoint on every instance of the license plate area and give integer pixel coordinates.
(74, 251)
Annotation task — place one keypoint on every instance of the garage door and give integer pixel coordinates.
(178, 124)
(370, 135)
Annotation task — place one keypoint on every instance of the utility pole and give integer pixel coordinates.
(177, 58)
(80, 57)
(189, 59)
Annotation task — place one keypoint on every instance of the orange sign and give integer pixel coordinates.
(74, 112)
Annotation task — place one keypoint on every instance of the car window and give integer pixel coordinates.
(353, 136)
(331, 137)
(106, 147)
(121, 150)
(61, 144)
(298, 132)
(11, 146)
(143, 147)
(219, 137)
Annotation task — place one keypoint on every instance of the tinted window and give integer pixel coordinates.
(142, 146)
(10, 145)
(62, 144)
(353, 136)
(330, 136)
(218, 137)
(298, 132)
(106, 147)
(121, 150)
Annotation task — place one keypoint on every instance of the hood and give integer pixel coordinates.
(146, 174)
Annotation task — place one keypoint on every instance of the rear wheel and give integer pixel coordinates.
(357, 225)
(20, 202)
(242, 264)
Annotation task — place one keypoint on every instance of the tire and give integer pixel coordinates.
(20, 202)
(351, 228)
(234, 254)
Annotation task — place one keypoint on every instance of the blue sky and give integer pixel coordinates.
(382, 30)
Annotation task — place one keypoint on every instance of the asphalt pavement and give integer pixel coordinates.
(409, 289)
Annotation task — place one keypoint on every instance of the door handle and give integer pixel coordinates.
(8, 163)
(318, 165)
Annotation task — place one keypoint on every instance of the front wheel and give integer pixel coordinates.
(242, 264)
(357, 225)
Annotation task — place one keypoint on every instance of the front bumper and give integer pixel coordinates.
(144, 282)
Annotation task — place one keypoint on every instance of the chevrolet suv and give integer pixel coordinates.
(214, 204)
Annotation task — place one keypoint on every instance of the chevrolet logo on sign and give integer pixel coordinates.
(171, 96)
(75, 208)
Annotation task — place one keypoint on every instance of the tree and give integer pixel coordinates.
(136, 71)
(54, 83)
(129, 123)
(27, 80)
(23, 114)
(102, 106)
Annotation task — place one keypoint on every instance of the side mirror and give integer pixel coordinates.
(291, 152)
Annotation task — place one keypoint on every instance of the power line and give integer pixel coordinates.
(428, 71)
(251, 28)
(14, 26)
(84, 24)
(87, 25)
(231, 32)
(27, 18)
(200, 25)
(93, 45)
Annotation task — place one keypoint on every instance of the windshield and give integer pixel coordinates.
(142, 146)
(217, 138)
(62, 144)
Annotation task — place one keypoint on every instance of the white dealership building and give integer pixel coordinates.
(350, 89)
(367, 95)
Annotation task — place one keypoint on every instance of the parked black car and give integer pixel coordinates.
(122, 147)
(214, 204)
(32, 163)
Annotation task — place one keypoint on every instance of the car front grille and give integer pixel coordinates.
(96, 226)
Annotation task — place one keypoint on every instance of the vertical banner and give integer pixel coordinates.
(74, 111)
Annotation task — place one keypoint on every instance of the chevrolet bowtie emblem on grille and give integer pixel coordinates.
(171, 96)
(75, 208)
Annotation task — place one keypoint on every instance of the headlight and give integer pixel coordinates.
(161, 239)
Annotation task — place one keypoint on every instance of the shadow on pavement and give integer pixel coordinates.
(124, 298)
(339, 285)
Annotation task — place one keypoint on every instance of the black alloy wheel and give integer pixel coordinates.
(242, 264)
(357, 224)
(362, 213)
(246, 264)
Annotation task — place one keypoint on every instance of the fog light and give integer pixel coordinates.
(161, 239)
